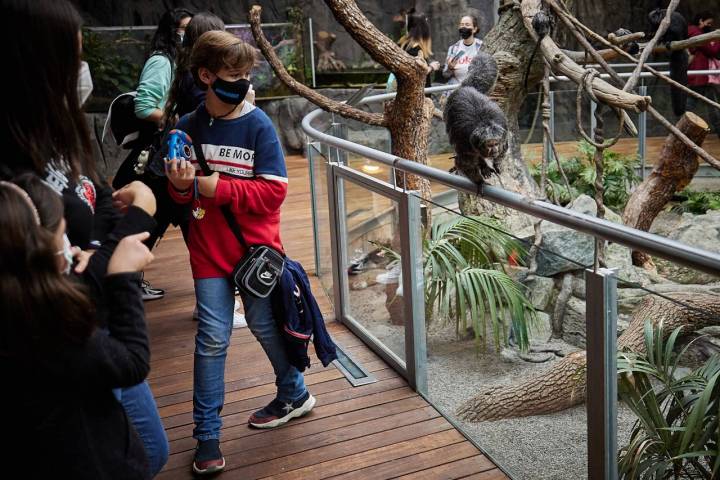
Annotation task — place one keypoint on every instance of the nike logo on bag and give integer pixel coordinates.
(266, 275)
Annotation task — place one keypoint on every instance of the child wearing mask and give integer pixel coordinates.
(249, 176)
(65, 421)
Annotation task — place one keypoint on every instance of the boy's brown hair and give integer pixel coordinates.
(219, 49)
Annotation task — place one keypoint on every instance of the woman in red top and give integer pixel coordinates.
(701, 56)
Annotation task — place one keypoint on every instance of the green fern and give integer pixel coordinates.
(618, 179)
(465, 281)
(677, 430)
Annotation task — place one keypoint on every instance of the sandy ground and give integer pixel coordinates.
(534, 448)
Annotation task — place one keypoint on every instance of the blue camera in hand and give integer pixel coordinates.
(179, 145)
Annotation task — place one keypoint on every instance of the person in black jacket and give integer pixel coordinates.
(43, 132)
(61, 418)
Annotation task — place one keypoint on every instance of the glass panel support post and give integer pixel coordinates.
(601, 393)
(413, 291)
(313, 206)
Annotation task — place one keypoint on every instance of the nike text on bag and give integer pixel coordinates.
(258, 271)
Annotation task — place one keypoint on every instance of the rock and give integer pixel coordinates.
(566, 242)
(702, 231)
(570, 244)
(586, 204)
(541, 329)
(540, 291)
(574, 323)
(579, 286)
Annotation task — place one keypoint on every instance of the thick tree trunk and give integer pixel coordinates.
(674, 170)
(511, 46)
(564, 385)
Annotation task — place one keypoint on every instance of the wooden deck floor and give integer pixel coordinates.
(376, 431)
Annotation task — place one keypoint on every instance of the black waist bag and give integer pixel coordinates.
(259, 270)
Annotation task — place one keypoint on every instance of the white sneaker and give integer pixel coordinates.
(238, 318)
(391, 276)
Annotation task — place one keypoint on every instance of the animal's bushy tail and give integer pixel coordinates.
(678, 72)
(482, 73)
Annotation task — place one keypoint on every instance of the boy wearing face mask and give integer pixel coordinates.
(249, 175)
(461, 53)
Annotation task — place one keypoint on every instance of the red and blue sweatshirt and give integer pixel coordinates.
(253, 182)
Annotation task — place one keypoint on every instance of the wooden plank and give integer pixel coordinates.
(319, 421)
(235, 425)
(342, 393)
(374, 463)
(285, 454)
(457, 469)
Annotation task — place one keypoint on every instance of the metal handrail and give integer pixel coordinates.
(630, 237)
(121, 28)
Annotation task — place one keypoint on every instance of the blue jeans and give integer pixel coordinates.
(215, 302)
(140, 407)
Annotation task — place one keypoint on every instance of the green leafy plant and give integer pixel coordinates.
(465, 280)
(111, 72)
(618, 179)
(676, 433)
(697, 202)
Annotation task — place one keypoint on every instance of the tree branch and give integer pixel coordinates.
(377, 44)
(561, 62)
(629, 57)
(566, 16)
(664, 24)
(693, 42)
(606, 54)
(321, 100)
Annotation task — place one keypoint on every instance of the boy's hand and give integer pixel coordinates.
(208, 185)
(181, 173)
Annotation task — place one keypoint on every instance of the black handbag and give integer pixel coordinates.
(259, 270)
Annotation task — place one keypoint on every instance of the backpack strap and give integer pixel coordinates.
(200, 155)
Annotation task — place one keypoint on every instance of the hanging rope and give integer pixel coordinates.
(586, 87)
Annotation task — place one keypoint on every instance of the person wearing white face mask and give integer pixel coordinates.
(56, 352)
(461, 53)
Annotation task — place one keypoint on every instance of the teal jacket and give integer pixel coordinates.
(154, 86)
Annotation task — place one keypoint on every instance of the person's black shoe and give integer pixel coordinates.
(208, 458)
(277, 413)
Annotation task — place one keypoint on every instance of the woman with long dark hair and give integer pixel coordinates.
(157, 73)
(43, 132)
(185, 95)
(152, 93)
(417, 41)
(61, 419)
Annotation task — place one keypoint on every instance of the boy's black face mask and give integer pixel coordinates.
(232, 93)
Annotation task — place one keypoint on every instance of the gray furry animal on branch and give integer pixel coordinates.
(476, 126)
